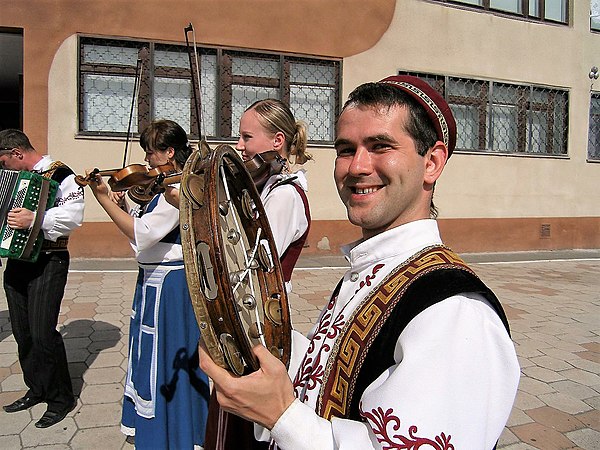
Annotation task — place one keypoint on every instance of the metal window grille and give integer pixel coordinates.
(594, 128)
(231, 81)
(555, 11)
(503, 117)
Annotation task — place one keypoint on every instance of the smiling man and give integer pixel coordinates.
(412, 349)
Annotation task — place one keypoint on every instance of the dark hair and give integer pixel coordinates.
(275, 116)
(418, 125)
(12, 138)
(162, 134)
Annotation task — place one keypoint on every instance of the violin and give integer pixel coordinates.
(263, 165)
(127, 177)
(142, 194)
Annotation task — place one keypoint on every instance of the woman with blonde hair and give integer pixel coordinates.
(270, 134)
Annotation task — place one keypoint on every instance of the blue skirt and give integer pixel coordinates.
(166, 394)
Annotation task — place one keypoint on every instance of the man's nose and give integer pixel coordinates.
(361, 162)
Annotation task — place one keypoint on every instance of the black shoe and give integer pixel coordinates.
(21, 404)
(52, 418)
(130, 440)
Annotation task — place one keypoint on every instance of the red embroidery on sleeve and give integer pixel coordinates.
(383, 423)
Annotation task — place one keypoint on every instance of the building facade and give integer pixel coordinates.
(520, 76)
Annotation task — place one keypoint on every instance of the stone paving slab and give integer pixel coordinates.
(553, 305)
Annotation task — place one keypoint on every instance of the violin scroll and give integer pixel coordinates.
(263, 165)
(143, 194)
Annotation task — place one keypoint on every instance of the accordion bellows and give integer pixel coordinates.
(22, 189)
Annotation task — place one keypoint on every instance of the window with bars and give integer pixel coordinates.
(594, 128)
(595, 15)
(502, 117)
(125, 84)
(539, 10)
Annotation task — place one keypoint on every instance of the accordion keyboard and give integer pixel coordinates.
(22, 189)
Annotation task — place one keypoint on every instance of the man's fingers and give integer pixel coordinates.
(268, 362)
(209, 367)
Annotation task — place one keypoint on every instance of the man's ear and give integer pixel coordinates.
(435, 161)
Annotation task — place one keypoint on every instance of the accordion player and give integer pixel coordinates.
(23, 189)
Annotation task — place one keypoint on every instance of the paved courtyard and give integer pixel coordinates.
(553, 306)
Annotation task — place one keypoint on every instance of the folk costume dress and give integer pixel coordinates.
(166, 394)
(452, 374)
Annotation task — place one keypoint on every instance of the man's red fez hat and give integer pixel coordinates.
(436, 107)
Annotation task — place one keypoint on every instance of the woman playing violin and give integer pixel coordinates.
(166, 395)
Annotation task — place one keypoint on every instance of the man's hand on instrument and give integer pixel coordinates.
(262, 396)
(20, 218)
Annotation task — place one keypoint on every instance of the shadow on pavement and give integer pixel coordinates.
(84, 340)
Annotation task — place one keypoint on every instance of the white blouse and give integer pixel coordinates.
(67, 215)
(153, 226)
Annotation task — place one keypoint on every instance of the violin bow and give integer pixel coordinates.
(196, 83)
(138, 70)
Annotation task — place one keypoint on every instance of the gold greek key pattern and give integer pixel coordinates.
(351, 347)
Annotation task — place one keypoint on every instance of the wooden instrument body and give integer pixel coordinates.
(232, 267)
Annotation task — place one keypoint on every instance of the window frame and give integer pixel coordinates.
(484, 102)
(593, 125)
(225, 82)
(523, 15)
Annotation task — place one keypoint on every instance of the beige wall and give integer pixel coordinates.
(426, 37)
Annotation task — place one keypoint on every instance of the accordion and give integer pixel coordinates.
(22, 189)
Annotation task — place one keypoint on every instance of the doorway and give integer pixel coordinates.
(11, 79)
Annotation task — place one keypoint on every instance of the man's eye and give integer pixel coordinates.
(381, 146)
(344, 151)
